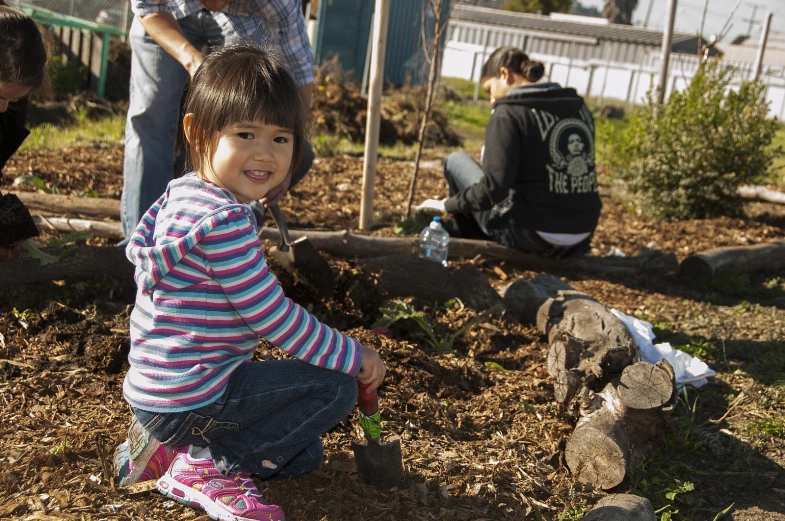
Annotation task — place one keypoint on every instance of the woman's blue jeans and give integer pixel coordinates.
(268, 422)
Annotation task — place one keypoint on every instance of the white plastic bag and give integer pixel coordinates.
(688, 369)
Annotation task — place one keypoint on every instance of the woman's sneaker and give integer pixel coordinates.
(197, 483)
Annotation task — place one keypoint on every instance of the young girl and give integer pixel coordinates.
(536, 190)
(205, 297)
(22, 69)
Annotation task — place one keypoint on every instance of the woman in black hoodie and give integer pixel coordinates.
(22, 69)
(536, 190)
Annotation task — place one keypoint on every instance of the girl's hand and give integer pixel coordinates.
(274, 196)
(372, 369)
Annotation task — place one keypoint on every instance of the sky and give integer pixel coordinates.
(690, 12)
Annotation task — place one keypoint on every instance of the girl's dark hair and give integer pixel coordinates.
(243, 82)
(22, 50)
(516, 61)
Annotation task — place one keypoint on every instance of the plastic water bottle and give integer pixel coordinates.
(434, 240)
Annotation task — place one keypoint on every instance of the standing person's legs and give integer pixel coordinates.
(269, 420)
(157, 84)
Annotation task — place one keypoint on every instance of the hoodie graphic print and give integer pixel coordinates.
(204, 297)
(570, 143)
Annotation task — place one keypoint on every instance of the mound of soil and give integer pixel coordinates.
(340, 109)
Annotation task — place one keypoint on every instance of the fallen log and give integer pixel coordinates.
(760, 193)
(112, 230)
(398, 276)
(78, 263)
(704, 266)
(622, 507)
(51, 204)
(346, 244)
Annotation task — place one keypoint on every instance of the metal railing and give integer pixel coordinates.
(100, 31)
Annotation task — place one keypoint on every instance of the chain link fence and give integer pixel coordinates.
(108, 12)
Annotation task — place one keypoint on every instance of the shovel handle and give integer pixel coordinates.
(368, 403)
(280, 222)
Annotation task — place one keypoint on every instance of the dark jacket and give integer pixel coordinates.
(538, 162)
(12, 130)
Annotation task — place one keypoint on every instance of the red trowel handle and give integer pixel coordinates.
(368, 403)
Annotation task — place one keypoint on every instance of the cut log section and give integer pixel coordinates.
(622, 507)
(587, 345)
(610, 439)
(598, 450)
(705, 265)
(761, 193)
(645, 386)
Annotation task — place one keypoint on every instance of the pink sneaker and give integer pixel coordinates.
(197, 483)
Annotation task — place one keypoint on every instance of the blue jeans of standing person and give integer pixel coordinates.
(268, 422)
(156, 89)
(499, 223)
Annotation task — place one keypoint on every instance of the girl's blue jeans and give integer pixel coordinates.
(268, 422)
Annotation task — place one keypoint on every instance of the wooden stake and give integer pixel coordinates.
(372, 123)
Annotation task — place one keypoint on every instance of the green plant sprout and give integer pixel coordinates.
(34, 248)
(61, 448)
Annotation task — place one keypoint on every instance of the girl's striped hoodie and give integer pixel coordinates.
(205, 297)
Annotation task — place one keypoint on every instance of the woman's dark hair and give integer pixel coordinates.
(516, 61)
(240, 83)
(22, 50)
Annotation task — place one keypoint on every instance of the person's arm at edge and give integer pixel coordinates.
(164, 29)
(306, 94)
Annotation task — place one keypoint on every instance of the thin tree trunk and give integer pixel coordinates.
(432, 75)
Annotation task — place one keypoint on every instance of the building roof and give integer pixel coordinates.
(776, 40)
(589, 28)
(747, 51)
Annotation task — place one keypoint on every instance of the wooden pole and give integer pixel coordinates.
(667, 41)
(569, 63)
(374, 112)
(764, 36)
(478, 81)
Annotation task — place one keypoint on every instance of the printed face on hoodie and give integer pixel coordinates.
(250, 159)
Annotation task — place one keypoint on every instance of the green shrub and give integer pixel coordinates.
(686, 158)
